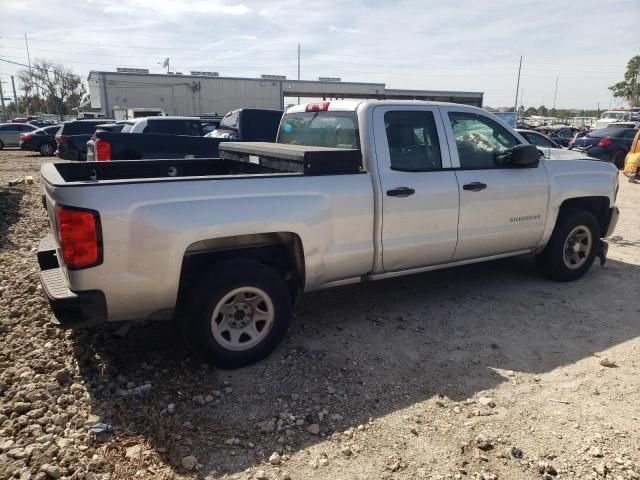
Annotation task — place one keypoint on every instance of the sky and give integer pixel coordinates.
(467, 45)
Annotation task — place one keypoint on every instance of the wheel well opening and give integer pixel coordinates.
(598, 206)
(281, 251)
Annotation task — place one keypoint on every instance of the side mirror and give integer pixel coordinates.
(524, 155)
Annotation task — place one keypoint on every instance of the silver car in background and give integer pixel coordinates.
(10, 133)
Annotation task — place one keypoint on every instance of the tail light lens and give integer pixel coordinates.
(61, 140)
(604, 142)
(317, 107)
(103, 150)
(26, 136)
(80, 237)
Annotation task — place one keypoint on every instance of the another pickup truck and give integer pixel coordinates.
(352, 191)
(182, 137)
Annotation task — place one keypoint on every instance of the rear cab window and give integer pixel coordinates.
(333, 129)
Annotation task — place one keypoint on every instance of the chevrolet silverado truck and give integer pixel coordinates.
(350, 192)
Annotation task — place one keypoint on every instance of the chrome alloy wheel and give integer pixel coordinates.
(242, 318)
(577, 247)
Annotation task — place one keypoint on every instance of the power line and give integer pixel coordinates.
(311, 52)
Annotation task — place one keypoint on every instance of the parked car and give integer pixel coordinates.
(10, 133)
(42, 140)
(607, 144)
(548, 147)
(73, 136)
(256, 125)
(226, 245)
(611, 116)
(563, 135)
(23, 119)
(42, 123)
(629, 124)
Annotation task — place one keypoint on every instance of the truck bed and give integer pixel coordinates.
(239, 159)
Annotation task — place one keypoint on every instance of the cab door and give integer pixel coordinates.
(502, 207)
(418, 188)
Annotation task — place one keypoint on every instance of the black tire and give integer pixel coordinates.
(552, 259)
(618, 159)
(1, 145)
(210, 289)
(46, 150)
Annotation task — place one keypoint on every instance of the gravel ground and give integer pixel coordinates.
(482, 372)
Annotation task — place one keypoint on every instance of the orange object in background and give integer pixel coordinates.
(632, 160)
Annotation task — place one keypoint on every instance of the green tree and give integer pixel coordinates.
(629, 88)
(56, 88)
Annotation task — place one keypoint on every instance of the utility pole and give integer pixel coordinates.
(518, 86)
(555, 94)
(26, 42)
(15, 97)
(298, 69)
(1, 96)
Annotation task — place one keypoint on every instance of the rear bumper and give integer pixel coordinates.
(70, 309)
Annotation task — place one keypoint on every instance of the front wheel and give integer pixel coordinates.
(572, 247)
(237, 314)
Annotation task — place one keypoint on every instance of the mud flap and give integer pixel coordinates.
(602, 252)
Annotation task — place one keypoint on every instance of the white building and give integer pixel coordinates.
(178, 94)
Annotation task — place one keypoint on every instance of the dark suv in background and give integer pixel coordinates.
(73, 136)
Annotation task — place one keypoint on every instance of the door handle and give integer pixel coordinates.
(401, 192)
(474, 186)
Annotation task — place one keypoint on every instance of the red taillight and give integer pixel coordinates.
(78, 235)
(103, 150)
(26, 136)
(604, 142)
(61, 140)
(317, 107)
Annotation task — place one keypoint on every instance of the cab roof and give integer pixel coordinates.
(353, 105)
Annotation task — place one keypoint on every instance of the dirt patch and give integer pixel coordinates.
(479, 372)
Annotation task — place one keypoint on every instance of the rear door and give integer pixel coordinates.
(419, 188)
(502, 208)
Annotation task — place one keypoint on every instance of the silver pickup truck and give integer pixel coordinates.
(351, 192)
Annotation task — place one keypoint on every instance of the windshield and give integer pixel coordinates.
(321, 129)
(612, 116)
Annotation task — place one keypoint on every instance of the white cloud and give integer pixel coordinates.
(173, 7)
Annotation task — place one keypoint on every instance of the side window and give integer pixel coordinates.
(538, 140)
(480, 141)
(630, 133)
(413, 141)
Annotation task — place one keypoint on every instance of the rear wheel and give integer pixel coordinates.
(573, 246)
(237, 314)
(618, 159)
(46, 149)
